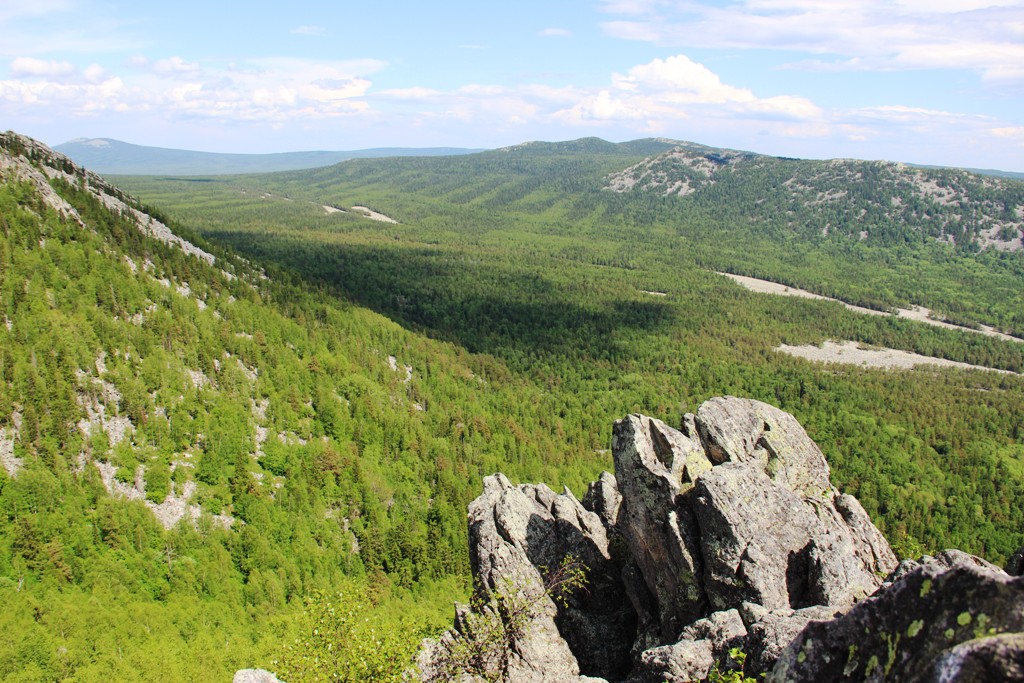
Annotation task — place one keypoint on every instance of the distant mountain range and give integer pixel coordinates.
(114, 157)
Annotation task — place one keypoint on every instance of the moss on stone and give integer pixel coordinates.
(915, 628)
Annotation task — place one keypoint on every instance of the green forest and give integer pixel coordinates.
(332, 389)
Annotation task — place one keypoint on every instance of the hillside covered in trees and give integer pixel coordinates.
(191, 448)
(876, 234)
(608, 303)
(193, 443)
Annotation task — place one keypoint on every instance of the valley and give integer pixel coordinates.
(523, 255)
(314, 394)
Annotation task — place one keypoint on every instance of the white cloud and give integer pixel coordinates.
(900, 112)
(29, 67)
(678, 88)
(953, 6)
(73, 99)
(651, 98)
(604, 106)
(1012, 133)
(786, 107)
(933, 136)
(985, 36)
(894, 117)
(19, 9)
(629, 6)
(482, 89)
(176, 67)
(680, 79)
(634, 30)
(413, 93)
(94, 73)
(897, 126)
(258, 90)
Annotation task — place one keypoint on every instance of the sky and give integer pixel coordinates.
(920, 81)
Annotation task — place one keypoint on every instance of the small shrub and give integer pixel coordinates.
(730, 675)
(497, 619)
(345, 639)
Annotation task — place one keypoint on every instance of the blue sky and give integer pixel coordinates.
(922, 81)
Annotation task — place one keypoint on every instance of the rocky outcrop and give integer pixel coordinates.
(49, 164)
(832, 193)
(772, 631)
(700, 646)
(520, 537)
(935, 623)
(996, 658)
(735, 510)
(727, 533)
(653, 465)
(947, 559)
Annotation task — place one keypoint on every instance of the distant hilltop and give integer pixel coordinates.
(114, 157)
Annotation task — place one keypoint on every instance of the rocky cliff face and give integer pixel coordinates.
(23, 152)
(724, 533)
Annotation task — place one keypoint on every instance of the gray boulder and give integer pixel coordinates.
(701, 646)
(519, 537)
(771, 631)
(737, 507)
(733, 511)
(773, 530)
(655, 466)
(603, 499)
(933, 624)
(995, 658)
(743, 430)
(947, 559)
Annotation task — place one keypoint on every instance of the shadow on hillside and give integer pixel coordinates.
(485, 305)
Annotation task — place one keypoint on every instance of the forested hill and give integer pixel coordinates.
(879, 201)
(875, 234)
(190, 446)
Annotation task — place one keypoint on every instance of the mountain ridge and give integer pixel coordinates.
(854, 197)
(118, 157)
(112, 157)
(807, 221)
